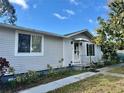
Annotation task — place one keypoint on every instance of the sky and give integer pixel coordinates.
(60, 16)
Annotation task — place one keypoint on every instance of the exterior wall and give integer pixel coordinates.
(85, 60)
(67, 51)
(82, 35)
(53, 52)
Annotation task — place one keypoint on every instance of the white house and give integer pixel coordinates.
(29, 49)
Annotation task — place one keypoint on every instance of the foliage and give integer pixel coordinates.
(32, 78)
(11, 70)
(50, 68)
(5, 66)
(111, 31)
(7, 12)
(28, 77)
(61, 62)
(109, 51)
(100, 64)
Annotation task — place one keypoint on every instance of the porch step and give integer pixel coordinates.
(77, 64)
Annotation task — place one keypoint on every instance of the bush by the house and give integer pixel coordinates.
(5, 67)
(33, 78)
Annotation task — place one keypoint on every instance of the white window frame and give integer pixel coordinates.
(94, 49)
(31, 53)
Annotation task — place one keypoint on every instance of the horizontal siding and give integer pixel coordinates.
(86, 59)
(82, 35)
(53, 52)
(67, 53)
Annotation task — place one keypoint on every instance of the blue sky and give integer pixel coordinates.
(60, 16)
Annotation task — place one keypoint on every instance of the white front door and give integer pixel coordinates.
(76, 52)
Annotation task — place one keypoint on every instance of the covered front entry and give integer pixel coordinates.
(77, 51)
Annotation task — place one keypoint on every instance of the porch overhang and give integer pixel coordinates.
(81, 39)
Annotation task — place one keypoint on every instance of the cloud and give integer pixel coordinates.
(21, 3)
(106, 7)
(75, 2)
(59, 16)
(70, 12)
(67, 14)
(90, 21)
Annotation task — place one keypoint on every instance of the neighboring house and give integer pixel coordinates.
(29, 49)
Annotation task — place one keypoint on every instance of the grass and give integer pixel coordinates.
(119, 70)
(41, 80)
(96, 84)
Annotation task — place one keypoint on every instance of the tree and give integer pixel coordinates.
(111, 31)
(116, 22)
(7, 12)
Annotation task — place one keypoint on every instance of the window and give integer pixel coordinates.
(90, 50)
(36, 44)
(29, 44)
(24, 43)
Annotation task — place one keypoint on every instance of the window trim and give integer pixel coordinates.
(31, 53)
(93, 49)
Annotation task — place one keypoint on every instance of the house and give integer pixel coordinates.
(30, 49)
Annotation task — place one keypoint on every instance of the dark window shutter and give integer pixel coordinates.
(93, 50)
(87, 50)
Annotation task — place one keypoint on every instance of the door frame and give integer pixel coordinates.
(73, 53)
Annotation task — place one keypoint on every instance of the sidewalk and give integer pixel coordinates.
(114, 74)
(58, 83)
(105, 69)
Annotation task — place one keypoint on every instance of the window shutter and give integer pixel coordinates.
(87, 50)
(93, 50)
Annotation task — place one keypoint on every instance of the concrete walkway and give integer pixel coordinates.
(106, 69)
(58, 83)
(69, 80)
(114, 74)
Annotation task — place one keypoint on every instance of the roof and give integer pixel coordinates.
(45, 32)
(29, 30)
(79, 32)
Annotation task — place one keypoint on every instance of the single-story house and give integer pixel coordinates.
(30, 49)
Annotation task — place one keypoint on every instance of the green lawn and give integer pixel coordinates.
(119, 70)
(96, 84)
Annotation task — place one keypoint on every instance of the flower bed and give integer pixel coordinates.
(32, 79)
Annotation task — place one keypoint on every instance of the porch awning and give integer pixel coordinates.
(81, 39)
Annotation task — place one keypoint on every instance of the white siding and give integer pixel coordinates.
(85, 60)
(53, 52)
(82, 35)
(67, 51)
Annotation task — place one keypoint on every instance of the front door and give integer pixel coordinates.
(77, 52)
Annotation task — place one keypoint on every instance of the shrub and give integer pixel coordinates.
(30, 76)
(50, 68)
(4, 66)
(61, 62)
(100, 64)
